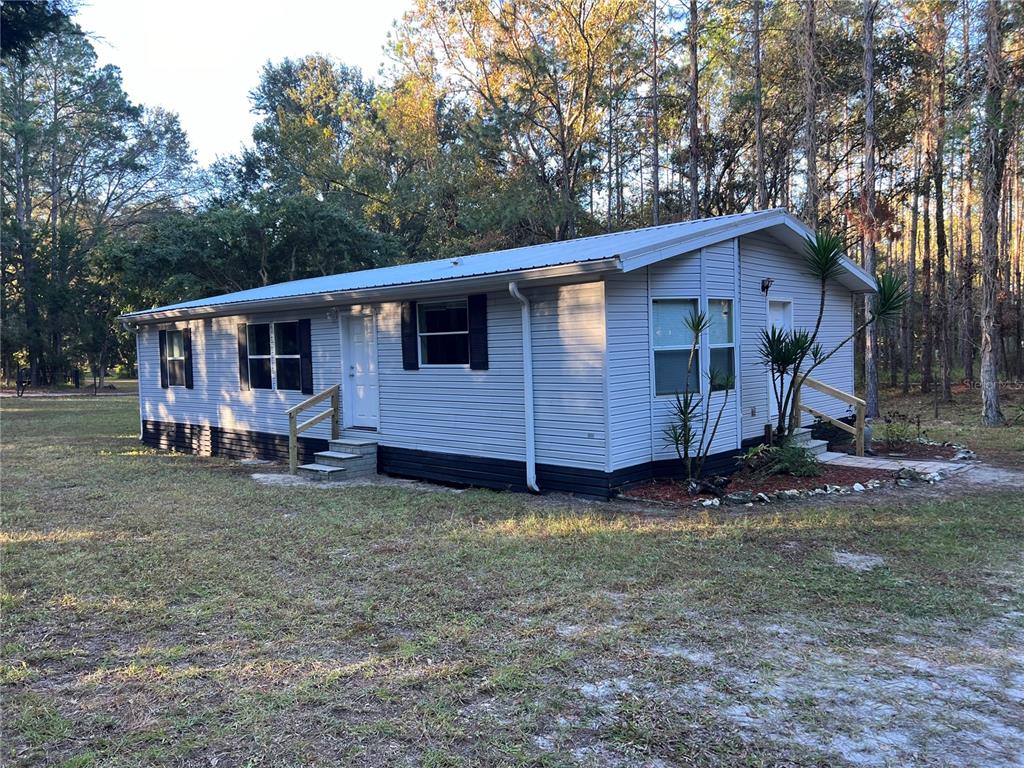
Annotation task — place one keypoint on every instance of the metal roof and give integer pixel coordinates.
(613, 251)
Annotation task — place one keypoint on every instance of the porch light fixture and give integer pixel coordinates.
(766, 285)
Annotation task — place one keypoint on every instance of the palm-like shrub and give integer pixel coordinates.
(791, 356)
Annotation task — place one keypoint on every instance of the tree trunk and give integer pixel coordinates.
(762, 190)
(993, 166)
(694, 101)
(813, 194)
(870, 218)
(655, 159)
(928, 345)
(938, 127)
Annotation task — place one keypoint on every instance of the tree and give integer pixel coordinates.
(998, 119)
(870, 213)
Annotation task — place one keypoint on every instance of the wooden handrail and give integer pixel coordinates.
(860, 406)
(838, 394)
(295, 429)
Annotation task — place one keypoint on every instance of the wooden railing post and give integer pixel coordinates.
(336, 414)
(293, 444)
(860, 430)
(796, 404)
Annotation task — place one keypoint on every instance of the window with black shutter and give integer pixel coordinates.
(175, 359)
(276, 356)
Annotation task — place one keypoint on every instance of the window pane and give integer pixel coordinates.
(286, 339)
(720, 315)
(175, 344)
(445, 350)
(259, 373)
(176, 373)
(670, 317)
(288, 373)
(670, 372)
(259, 339)
(447, 316)
(723, 368)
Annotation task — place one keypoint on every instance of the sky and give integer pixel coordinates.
(200, 58)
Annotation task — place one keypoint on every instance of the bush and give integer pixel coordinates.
(897, 429)
(791, 459)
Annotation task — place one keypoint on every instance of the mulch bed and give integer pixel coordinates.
(915, 451)
(674, 491)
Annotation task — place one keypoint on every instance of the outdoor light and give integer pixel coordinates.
(766, 285)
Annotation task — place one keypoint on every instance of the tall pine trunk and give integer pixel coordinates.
(870, 222)
(762, 189)
(813, 194)
(694, 102)
(993, 166)
(908, 310)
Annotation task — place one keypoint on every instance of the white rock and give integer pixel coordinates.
(711, 502)
(858, 488)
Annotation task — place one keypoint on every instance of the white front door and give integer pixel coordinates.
(361, 384)
(780, 315)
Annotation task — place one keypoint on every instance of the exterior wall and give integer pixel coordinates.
(638, 417)
(763, 256)
(445, 410)
(216, 400)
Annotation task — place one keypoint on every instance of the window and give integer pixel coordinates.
(673, 341)
(274, 360)
(443, 331)
(175, 359)
(722, 360)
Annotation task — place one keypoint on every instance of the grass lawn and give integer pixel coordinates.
(161, 609)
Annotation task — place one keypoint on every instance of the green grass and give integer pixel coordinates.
(161, 608)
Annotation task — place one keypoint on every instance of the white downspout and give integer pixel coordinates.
(531, 453)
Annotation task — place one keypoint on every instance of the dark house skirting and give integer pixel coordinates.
(231, 444)
(455, 469)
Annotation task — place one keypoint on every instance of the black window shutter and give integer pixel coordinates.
(163, 359)
(186, 341)
(305, 357)
(477, 305)
(243, 356)
(410, 355)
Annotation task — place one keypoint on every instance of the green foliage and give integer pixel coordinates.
(898, 429)
(786, 459)
(823, 255)
(892, 297)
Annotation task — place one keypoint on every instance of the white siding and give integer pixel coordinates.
(216, 399)
(568, 375)
(448, 410)
(763, 256)
(455, 410)
(638, 418)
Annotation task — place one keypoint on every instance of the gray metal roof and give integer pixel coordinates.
(614, 251)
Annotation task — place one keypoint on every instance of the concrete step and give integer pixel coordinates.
(801, 436)
(322, 472)
(354, 445)
(336, 458)
(816, 447)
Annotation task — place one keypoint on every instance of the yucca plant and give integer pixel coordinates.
(692, 429)
(796, 353)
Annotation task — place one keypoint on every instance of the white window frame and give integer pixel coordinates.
(732, 345)
(684, 348)
(273, 356)
(172, 359)
(420, 334)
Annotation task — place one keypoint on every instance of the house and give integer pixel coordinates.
(549, 367)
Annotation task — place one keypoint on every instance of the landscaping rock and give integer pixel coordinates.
(763, 498)
(964, 454)
(858, 488)
(710, 502)
(739, 497)
(789, 494)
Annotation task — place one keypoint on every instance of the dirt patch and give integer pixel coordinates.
(915, 451)
(675, 491)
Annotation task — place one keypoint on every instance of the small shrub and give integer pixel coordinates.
(898, 429)
(790, 459)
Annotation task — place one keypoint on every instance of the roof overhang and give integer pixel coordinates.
(574, 272)
(785, 227)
